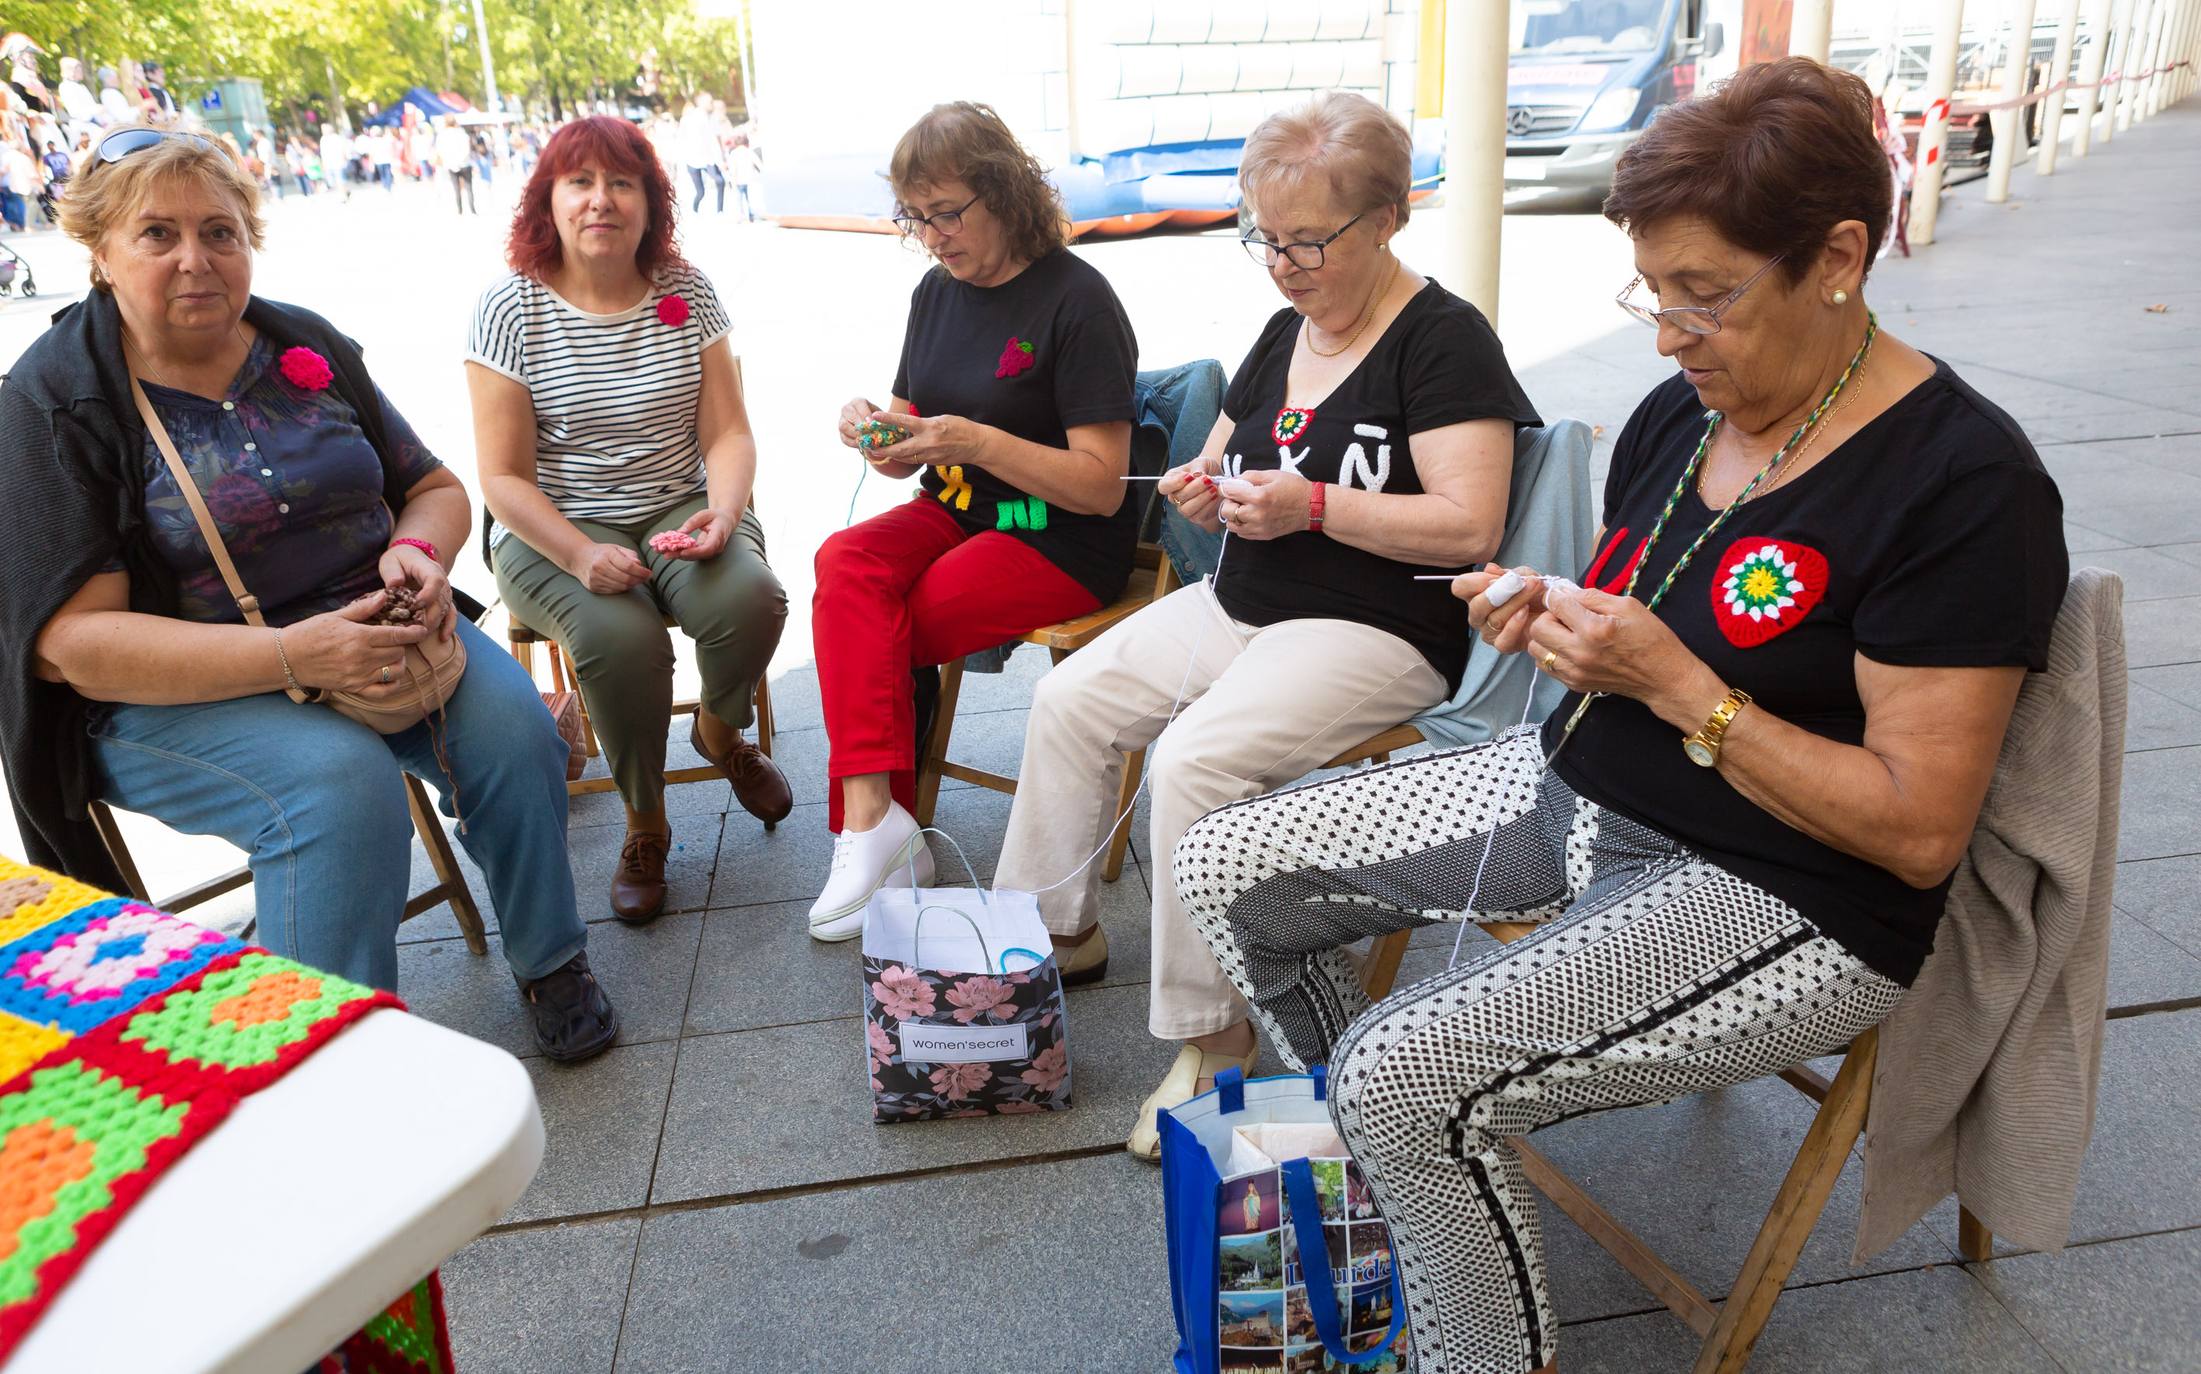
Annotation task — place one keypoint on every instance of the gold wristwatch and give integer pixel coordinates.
(1703, 747)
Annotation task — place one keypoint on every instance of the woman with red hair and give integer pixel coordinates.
(617, 462)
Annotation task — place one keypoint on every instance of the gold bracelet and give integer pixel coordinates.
(288, 676)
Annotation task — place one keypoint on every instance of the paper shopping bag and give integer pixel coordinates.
(963, 1006)
(1277, 1261)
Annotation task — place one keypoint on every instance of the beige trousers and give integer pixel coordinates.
(1262, 706)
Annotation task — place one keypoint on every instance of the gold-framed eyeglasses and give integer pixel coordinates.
(1693, 319)
(948, 223)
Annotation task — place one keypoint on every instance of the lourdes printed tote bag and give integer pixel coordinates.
(963, 1006)
(1275, 1263)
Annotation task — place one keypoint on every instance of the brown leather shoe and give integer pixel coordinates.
(759, 785)
(638, 888)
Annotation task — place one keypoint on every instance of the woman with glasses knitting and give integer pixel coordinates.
(131, 675)
(1366, 439)
(1012, 404)
(1826, 565)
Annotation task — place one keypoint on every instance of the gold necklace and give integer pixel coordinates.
(1365, 320)
(145, 361)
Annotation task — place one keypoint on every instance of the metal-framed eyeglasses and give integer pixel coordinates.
(948, 223)
(1693, 319)
(123, 142)
(1306, 256)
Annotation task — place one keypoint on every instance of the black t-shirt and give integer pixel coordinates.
(1931, 538)
(1047, 350)
(1437, 364)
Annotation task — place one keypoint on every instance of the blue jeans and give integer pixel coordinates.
(318, 802)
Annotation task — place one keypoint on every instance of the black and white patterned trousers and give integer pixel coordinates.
(1654, 975)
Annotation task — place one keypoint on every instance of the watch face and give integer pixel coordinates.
(1699, 753)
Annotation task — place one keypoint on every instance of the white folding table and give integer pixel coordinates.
(312, 1207)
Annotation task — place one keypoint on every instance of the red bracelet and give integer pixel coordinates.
(423, 545)
(1314, 509)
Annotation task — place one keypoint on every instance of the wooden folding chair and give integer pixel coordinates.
(522, 641)
(1152, 578)
(450, 883)
(1730, 1328)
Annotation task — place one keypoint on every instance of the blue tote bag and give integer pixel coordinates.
(1283, 1268)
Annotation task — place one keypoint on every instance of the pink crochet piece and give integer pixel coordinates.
(671, 541)
(673, 310)
(305, 369)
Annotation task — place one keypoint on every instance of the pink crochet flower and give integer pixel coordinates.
(305, 369)
(673, 311)
(1016, 356)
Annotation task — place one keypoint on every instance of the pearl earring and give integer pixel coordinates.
(1841, 297)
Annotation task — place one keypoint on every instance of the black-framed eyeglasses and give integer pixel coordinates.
(123, 142)
(1305, 256)
(1694, 319)
(947, 223)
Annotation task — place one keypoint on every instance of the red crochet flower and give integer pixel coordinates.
(673, 311)
(305, 369)
(1015, 357)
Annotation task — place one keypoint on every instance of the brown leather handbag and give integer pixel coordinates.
(433, 667)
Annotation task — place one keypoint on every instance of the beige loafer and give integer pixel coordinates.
(1179, 1086)
(1083, 962)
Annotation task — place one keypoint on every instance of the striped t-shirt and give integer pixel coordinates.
(615, 395)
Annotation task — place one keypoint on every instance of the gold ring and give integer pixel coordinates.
(1551, 660)
(385, 675)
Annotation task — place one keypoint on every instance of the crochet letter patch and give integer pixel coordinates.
(1764, 587)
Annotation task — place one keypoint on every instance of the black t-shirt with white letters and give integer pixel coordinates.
(1439, 363)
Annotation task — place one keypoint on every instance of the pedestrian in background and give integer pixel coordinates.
(455, 153)
(699, 149)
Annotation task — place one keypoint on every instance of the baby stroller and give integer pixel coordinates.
(15, 274)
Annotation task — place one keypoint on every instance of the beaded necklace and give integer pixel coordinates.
(1681, 488)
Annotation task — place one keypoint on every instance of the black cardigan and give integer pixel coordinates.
(71, 465)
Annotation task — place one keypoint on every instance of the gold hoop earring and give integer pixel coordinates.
(1841, 297)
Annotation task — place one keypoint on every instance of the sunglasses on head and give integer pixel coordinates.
(123, 142)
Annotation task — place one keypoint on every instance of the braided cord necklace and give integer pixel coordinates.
(1681, 489)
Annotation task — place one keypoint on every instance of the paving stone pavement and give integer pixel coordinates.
(714, 1195)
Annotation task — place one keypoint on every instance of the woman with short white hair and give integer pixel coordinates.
(1366, 438)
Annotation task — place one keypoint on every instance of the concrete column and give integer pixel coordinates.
(2059, 71)
(2167, 25)
(1475, 46)
(1811, 29)
(2119, 34)
(2010, 123)
(2090, 75)
(1933, 135)
(2133, 61)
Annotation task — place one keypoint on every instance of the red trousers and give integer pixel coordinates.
(909, 589)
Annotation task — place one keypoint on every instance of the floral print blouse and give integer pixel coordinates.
(293, 485)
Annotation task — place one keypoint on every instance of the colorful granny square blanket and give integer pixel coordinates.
(126, 1035)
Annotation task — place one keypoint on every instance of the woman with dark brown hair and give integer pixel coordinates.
(1826, 565)
(1013, 400)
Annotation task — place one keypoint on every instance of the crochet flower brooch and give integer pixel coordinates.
(305, 369)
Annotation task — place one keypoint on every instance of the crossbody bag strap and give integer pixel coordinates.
(246, 601)
(189, 486)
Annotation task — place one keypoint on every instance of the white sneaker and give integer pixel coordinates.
(863, 862)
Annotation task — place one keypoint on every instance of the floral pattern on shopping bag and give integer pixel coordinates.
(898, 996)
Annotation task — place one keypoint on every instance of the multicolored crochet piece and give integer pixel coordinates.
(126, 1035)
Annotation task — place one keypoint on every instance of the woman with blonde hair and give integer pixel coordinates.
(1013, 400)
(1366, 438)
(130, 675)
